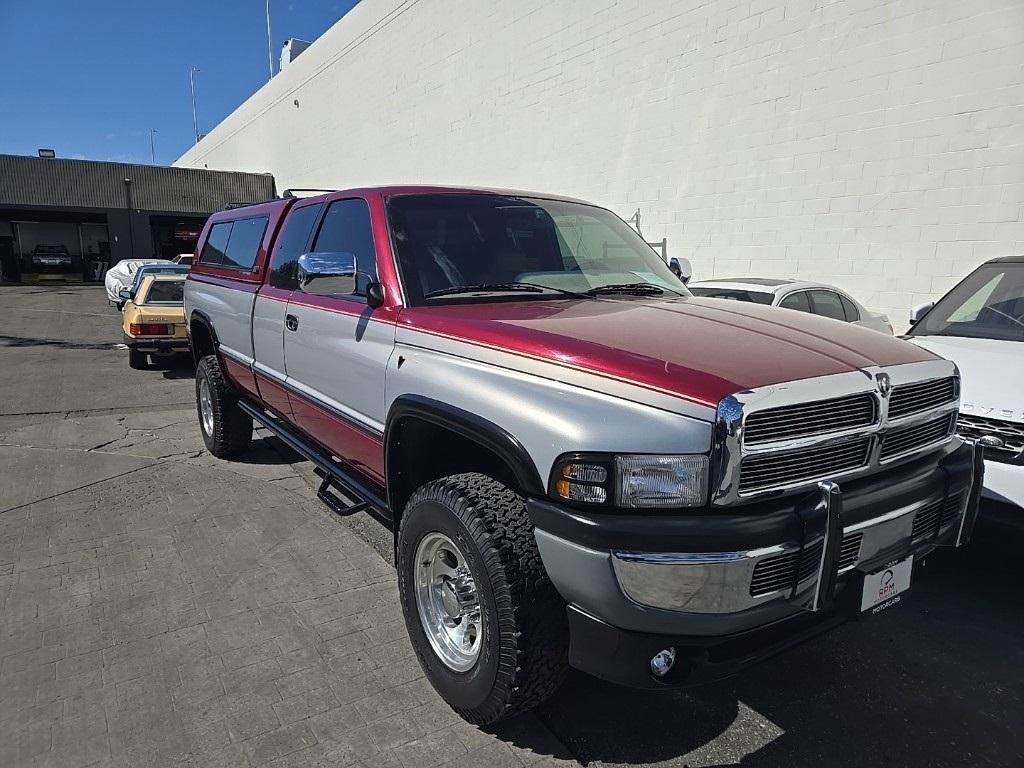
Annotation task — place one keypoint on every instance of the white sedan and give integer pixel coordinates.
(122, 275)
(815, 298)
(979, 325)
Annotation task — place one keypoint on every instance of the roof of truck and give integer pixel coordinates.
(395, 190)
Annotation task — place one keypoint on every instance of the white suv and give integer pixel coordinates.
(979, 325)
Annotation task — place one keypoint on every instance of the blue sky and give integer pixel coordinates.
(90, 78)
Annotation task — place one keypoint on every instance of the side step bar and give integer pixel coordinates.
(332, 473)
(337, 505)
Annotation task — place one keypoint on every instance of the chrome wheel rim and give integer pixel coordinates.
(447, 602)
(206, 406)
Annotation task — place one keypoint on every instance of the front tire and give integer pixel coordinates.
(226, 428)
(486, 623)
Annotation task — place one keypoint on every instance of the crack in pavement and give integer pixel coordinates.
(188, 454)
(78, 488)
(67, 414)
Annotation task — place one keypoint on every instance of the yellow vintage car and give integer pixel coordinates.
(153, 318)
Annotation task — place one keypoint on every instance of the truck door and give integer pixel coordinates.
(336, 348)
(268, 317)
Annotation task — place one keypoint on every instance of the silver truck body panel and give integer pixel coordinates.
(268, 336)
(549, 417)
(340, 360)
(230, 311)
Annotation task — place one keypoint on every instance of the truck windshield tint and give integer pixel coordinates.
(988, 304)
(446, 241)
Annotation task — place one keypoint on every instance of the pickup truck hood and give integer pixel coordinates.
(699, 349)
(991, 372)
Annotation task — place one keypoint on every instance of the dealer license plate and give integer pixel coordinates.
(883, 589)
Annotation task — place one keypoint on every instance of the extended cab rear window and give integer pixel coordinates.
(234, 244)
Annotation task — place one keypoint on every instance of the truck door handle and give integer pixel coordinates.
(291, 322)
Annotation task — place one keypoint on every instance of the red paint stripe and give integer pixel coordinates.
(273, 394)
(385, 315)
(241, 375)
(554, 361)
(358, 448)
(237, 283)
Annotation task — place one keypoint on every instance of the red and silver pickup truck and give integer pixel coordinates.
(583, 465)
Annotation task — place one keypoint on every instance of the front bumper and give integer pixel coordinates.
(699, 597)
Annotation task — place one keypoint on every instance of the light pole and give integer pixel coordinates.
(152, 144)
(192, 83)
(270, 45)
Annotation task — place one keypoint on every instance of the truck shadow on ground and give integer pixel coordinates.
(939, 681)
(28, 341)
(179, 366)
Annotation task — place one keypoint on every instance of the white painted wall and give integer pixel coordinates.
(876, 144)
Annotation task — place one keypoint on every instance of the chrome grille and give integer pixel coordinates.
(849, 550)
(788, 436)
(905, 439)
(932, 517)
(921, 396)
(926, 519)
(783, 572)
(954, 506)
(773, 574)
(761, 472)
(780, 572)
(816, 418)
(1010, 432)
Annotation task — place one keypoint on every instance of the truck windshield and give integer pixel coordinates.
(988, 304)
(501, 247)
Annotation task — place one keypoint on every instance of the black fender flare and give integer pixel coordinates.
(469, 425)
(198, 316)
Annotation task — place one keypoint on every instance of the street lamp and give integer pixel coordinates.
(152, 144)
(270, 45)
(192, 83)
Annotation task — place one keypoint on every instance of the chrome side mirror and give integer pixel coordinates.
(920, 311)
(328, 274)
(125, 294)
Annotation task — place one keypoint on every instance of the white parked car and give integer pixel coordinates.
(979, 325)
(815, 298)
(122, 275)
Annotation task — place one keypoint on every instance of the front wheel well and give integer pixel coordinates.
(419, 450)
(201, 338)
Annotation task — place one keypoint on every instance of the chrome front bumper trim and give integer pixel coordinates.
(719, 582)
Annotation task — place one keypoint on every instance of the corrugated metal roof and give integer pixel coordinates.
(65, 183)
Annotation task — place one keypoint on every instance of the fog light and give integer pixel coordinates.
(663, 661)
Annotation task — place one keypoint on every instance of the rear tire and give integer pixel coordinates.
(137, 360)
(522, 655)
(226, 428)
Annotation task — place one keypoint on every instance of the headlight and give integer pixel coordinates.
(631, 481)
(661, 481)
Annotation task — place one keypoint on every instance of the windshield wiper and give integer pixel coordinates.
(515, 287)
(630, 289)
